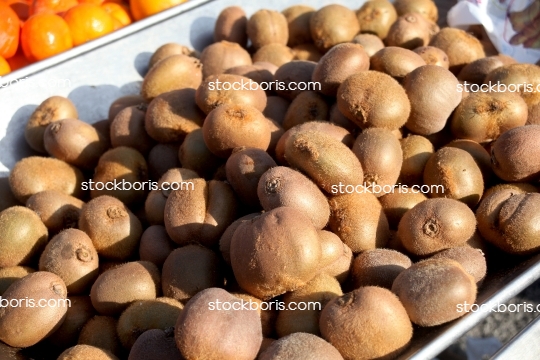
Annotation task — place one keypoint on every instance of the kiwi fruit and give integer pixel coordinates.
(307, 52)
(274, 53)
(461, 47)
(276, 108)
(333, 24)
(115, 231)
(336, 257)
(190, 269)
(396, 204)
(209, 96)
(472, 260)
(35, 174)
(172, 73)
(436, 224)
(222, 55)
(112, 293)
(318, 292)
(266, 27)
(514, 154)
(433, 290)
(100, 331)
(141, 316)
(483, 117)
(480, 156)
(72, 256)
(376, 16)
(50, 110)
(10, 274)
(25, 325)
(226, 238)
(128, 129)
(378, 267)
(381, 157)
(260, 72)
(74, 142)
(173, 115)
(433, 56)
(78, 313)
(7, 199)
(340, 62)
(338, 119)
(269, 260)
(195, 155)
(477, 71)
(56, 210)
(396, 61)
(155, 344)
(155, 245)
(121, 165)
(23, 236)
(367, 323)
(162, 158)
(370, 42)
(80, 352)
(268, 315)
(283, 186)
(427, 8)
(298, 18)
(300, 346)
(359, 220)
(123, 102)
(231, 26)
(519, 78)
(433, 94)
(410, 31)
(239, 331)
(306, 107)
(363, 99)
(170, 49)
(291, 74)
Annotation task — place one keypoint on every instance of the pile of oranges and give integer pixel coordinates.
(33, 30)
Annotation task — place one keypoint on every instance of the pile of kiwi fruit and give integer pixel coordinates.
(260, 220)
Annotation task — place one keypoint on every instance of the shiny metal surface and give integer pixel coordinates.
(524, 346)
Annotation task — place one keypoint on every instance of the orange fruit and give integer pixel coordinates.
(18, 61)
(10, 27)
(58, 7)
(88, 22)
(118, 12)
(45, 35)
(4, 67)
(95, 2)
(20, 7)
(144, 8)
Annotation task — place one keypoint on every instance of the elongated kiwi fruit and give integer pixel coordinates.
(416, 152)
(378, 267)
(100, 332)
(472, 260)
(231, 25)
(331, 25)
(57, 210)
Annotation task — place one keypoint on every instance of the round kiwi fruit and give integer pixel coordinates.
(363, 98)
(433, 94)
(300, 346)
(461, 47)
(80, 352)
(78, 313)
(340, 62)
(56, 210)
(189, 270)
(318, 292)
(276, 108)
(396, 204)
(480, 156)
(162, 158)
(307, 52)
(298, 17)
(371, 43)
(115, 231)
(170, 49)
(306, 107)
(291, 74)
(52, 109)
(274, 53)
(195, 155)
(416, 152)
(376, 16)
(239, 331)
(231, 26)
(173, 115)
(433, 290)
(72, 256)
(74, 142)
(514, 154)
(396, 61)
(112, 292)
(23, 236)
(222, 55)
(472, 260)
(520, 78)
(35, 174)
(269, 260)
(24, 325)
(100, 331)
(260, 72)
(155, 344)
(141, 316)
(411, 31)
(337, 118)
(226, 238)
(155, 245)
(266, 27)
(378, 267)
(367, 323)
(436, 224)
(226, 89)
(172, 73)
(336, 257)
(427, 8)
(10, 274)
(381, 157)
(433, 56)
(123, 102)
(477, 71)
(359, 220)
(128, 129)
(333, 24)
(268, 315)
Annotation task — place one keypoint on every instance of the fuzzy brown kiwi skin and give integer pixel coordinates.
(396, 61)
(276, 108)
(431, 291)
(267, 27)
(396, 204)
(195, 155)
(52, 109)
(226, 238)
(336, 258)
(426, 8)
(170, 49)
(472, 260)
(10, 274)
(371, 43)
(58, 211)
(480, 156)
(155, 245)
(416, 152)
(231, 25)
(332, 25)
(307, 52)
(295, 347)
(338, 64)
(514, 154)
(378, 267)
(294, 71)
(307, 106)
(155, 344)
(259, 72)
(298, 17)
(410, 31)
(476, 72)
(124, 102)
(80, 311)
(363, 99)
(86, 352)
(221, 56)
(436, 224)
(461, 47)
(277, 54)
(361, 309)
(128, 129)
(162, 158)
(433, 56)
(100, 332)
(376, 17)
